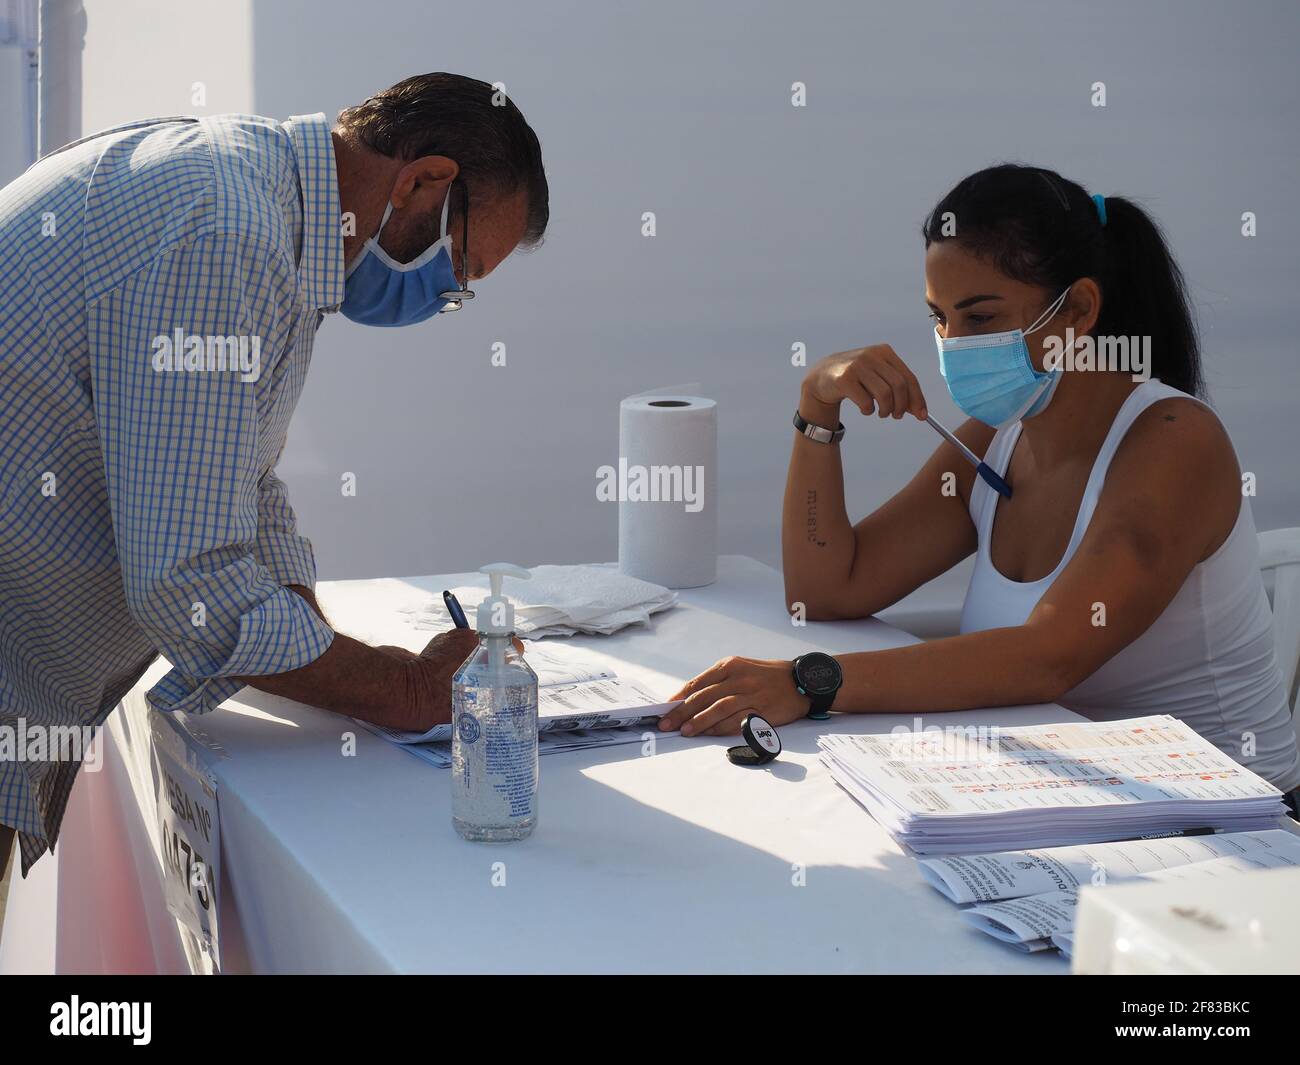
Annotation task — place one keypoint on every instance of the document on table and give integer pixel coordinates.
(555, 742)
(1064, 942)
(956, 791)
(1045, 919)
(581, 703)
(1016, 874)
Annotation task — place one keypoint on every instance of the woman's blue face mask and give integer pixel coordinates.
(379, 291)
(990, 376)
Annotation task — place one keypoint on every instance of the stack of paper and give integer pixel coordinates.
(581, 703)
(561, 601)
(1028, 898)
(967, 791)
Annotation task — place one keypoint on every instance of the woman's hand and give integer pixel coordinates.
(875, 379)
(715, 702)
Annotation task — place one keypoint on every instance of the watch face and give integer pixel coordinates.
(818, 674)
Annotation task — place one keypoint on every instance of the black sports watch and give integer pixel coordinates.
(819, 677)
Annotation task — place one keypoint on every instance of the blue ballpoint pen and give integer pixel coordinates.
(981, 467)
(454, 609)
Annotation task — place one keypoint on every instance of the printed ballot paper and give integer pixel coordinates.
(581, 703)
(956, 791)
(1017, 874)
(1045, 920)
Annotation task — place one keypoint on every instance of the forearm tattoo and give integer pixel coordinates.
(811, 522)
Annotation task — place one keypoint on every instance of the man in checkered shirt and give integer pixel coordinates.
(140, 512)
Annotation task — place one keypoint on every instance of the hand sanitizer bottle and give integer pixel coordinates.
(494, 727)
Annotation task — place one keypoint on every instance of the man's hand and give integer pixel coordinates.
(433, 669)
(456, 643)
(387, 685)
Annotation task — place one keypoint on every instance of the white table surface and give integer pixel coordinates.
(676, 862)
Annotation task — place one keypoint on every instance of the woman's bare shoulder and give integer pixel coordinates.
(1182, 428)
(1178, 459)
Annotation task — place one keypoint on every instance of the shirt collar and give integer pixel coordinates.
(320, 266)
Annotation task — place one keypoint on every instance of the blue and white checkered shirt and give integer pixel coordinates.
(160, 293)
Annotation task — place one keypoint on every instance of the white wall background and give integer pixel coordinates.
(18, 41)
(775, 225)
(144, 57)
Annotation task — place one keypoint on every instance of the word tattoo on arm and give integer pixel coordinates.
(811, 523)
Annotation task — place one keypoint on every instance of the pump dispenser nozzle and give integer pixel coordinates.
(496, 614)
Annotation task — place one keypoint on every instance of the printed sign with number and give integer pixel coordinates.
(189, 831)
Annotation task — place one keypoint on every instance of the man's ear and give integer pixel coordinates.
(427, 176)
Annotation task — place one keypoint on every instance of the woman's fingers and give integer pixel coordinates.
(718, 711)
(874, 379)
(696, 703)
(898, 383)
(887, 395)
(891, 383)
(711, 675)
(730, 726)
(728, 678)
(856, 394)
(916, 398)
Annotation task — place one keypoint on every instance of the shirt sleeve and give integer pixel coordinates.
(182, 413)
(279, 546)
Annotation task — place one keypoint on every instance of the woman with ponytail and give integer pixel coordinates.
(1120, 576)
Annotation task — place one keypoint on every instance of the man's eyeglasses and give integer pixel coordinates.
(456, 297)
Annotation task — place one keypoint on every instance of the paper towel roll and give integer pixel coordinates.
(668, 489)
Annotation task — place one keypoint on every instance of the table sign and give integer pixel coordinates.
(189, 827)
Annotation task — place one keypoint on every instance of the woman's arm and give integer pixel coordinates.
(1172, 496)
(835, 568)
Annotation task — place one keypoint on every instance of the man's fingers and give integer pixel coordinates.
(394, 651)
(451, 643)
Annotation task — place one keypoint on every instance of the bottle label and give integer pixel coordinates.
(494, 757)
(467, 726)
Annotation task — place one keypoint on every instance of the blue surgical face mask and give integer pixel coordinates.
(379, 291)
(991, 377)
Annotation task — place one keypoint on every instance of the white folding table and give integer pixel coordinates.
(671, 861)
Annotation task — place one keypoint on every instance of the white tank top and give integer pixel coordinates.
(1208, 659)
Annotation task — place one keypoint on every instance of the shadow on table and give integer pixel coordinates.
(636, 888)
(351, 863)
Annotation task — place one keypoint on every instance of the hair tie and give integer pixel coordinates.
(1100, 201)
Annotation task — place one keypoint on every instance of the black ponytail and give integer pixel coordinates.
(1042, 229)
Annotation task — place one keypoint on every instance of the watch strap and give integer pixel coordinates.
(819, 708)
(818, 432)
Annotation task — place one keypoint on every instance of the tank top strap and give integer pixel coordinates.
(998, 455)
(983, 500)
